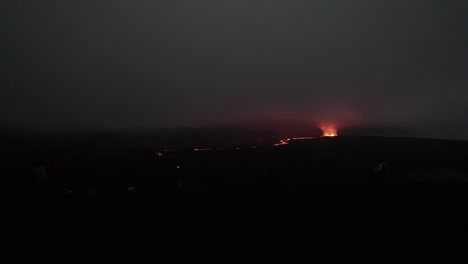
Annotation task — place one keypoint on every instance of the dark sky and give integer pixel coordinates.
(94, 64)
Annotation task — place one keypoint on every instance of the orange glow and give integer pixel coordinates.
(288, 140)
(304, 138)
(328, 130)
(282, 143)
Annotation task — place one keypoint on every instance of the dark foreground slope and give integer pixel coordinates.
(318, 200)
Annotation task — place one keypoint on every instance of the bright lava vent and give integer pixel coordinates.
(328, 130)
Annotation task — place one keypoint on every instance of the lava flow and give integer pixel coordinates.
(286, 141)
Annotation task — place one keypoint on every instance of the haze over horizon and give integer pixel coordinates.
(91, 65)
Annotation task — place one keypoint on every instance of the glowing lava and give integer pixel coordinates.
(328, 130)
(287, 141)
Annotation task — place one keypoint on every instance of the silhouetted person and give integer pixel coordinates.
(43, 199)
(381, 170)
(42, 180)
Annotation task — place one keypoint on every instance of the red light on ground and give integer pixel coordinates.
(201, 149)
(169, 150)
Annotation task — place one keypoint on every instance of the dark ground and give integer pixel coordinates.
(317, 201)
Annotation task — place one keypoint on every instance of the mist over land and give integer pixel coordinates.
(388, 68)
